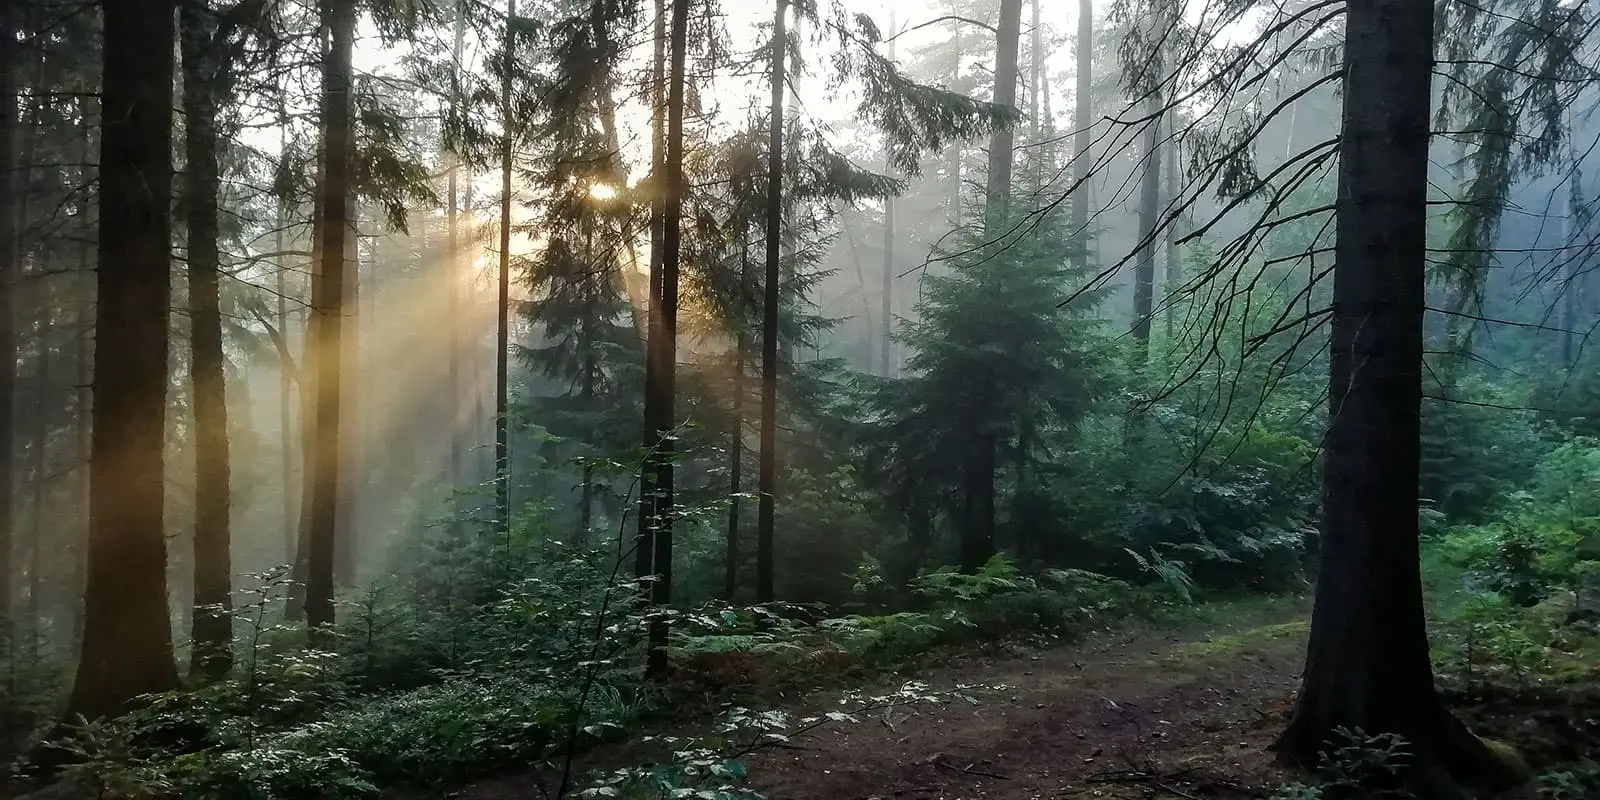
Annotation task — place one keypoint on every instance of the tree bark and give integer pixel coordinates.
(11, 189)
(127, 637)
(326, 350)
(741, 344)
(656, 468)
(351, 473)
(211, 621)
(665, 346)
(887, 366)
(454, 280)
(767, 477)
(1081, 120)
(1144, 270)
(502, 430)
(1367, 665)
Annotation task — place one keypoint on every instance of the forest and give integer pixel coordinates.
(799, 399)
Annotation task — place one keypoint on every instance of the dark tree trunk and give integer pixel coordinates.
(347, 536)
(502, 430)
(454, 278)
(767, 477)
(1081, 120)
(595, 273)
(127, 636)
(1144, 268)
(11, 188)
(887, 365)
(285, 391)
(665, 347)
(327, 349)
(741, 345)
(656, 470)
(1367, 665)
(1002, 145)
(211, 621)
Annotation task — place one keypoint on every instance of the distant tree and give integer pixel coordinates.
(127, 638)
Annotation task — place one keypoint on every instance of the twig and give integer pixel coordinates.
(970, 769)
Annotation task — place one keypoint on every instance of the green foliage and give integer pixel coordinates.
(1579, 781)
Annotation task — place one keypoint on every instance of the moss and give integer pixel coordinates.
(1222, 645)
(1510, 768)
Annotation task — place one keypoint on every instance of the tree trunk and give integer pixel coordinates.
(767, 477)
(127, 636)
(11, 189)
(326, 350)
(1002, 145)
(454, 280)
(665, 347)
(1081, 121)
(211, 621)
(1144, 269)
(351, 473)
(741, 344)
(285, 390)
(1367, 665)
(887, 365)
(657, 468)
(594, 275)
(1173, 276)
(502, 431)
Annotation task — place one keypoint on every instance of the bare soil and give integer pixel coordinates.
(1179, 715)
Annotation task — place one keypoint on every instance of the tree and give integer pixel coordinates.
(768, 476)
(662, 347)
(203, 78)
(1367, 666)
(127, 639)
(325, 353)
(502, 422)
(1081, 121)
(10, 188)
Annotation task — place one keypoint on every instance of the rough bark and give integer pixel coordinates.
(657, 467)
(672, 185)
(351, 474)
(211, 624)
(326, 350)
(10, 255)
(127, 638)
(767, 477)
(1367, 665)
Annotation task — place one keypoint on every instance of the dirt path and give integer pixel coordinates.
(1084, 719)
(1194, 710)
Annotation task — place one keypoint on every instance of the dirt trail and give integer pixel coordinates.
(1195, 710)
(1194, 713)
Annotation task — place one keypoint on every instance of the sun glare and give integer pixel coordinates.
(602, 191)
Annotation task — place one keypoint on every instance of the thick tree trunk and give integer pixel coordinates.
(767, 477)
(665, 347)
(657, 466)
(502, 430)
(352, 480)
(127, 637)
(1081, 120)
(286, 448)
(326, 350)
(1002, 145)
(211, 621)
(1367, 666)
(10, 254)
(886, 363)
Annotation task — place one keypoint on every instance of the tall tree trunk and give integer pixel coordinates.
(38, 449)
(11, 190)
(665, 347)
(351, 472)
(1574, 266)
(977, 536)
(1081, 120)
(657, 467)
(455, 279)
(1173, 277)
(326, 350)
(310, 365)
(84, 302)
(741, 346)
(127, 635)
(285, 389)
(593, 274)
(211, 621)
(768, 472)
(1367, 666)
(887, 366)
(1144, 268)
(502, 430)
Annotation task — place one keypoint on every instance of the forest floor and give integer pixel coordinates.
(1182, 713)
